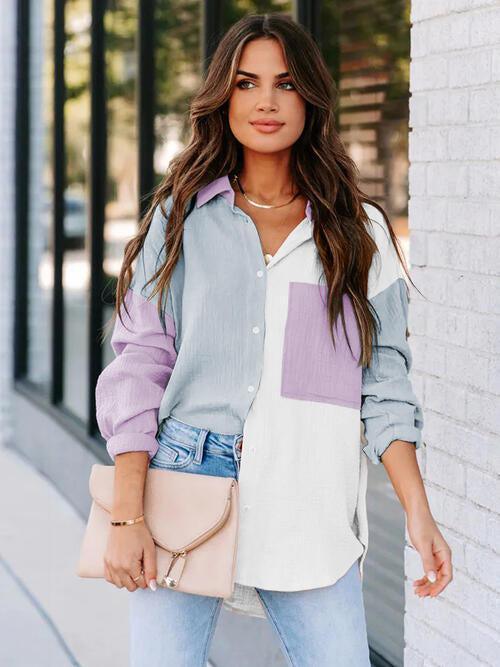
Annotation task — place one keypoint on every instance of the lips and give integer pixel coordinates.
(272, 123)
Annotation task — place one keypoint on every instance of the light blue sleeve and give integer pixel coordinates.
(151, 257)
(390, 409)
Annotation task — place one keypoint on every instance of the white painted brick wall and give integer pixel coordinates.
(454, 207)
(7, 198)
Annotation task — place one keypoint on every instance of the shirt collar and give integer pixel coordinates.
(222, 186)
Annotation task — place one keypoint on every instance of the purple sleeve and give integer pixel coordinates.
(129, 390)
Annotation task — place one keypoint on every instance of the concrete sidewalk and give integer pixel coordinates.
(50, 617)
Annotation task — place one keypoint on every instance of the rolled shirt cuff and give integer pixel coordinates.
(378, 445)
(131, 442)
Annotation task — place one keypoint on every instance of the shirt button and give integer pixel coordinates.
(251, 387)
(256, 330)
(260, 273)
(246, 507)
(252, 449)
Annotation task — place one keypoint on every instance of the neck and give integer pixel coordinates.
(266, 178)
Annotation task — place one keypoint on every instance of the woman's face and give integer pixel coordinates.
(263, 91)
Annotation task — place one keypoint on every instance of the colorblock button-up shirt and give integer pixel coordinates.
(244, 347)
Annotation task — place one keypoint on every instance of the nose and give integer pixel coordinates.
(267, 102)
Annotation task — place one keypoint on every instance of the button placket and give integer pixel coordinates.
(260, 273)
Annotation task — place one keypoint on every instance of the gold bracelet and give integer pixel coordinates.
(128, 522)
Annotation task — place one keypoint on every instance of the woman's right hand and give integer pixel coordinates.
(129, 550)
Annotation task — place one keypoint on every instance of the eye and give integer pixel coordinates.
(240, 83)
(288, 83)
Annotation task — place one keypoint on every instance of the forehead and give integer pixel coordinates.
(263, 56)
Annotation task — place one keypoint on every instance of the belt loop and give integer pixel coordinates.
(199, 445)
(237, 450)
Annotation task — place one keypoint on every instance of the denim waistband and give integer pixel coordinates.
(188, 433)
(200, 439)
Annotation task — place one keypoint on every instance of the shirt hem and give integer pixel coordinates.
(276, 585)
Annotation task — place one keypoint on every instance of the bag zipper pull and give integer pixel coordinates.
(175, 567)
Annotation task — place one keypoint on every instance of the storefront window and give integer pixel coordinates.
(236, 9)
(40, 193)
(367, 48)
(177, 76)
(121, 212)
(76, 265)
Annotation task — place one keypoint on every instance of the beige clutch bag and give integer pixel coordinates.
(193, 520)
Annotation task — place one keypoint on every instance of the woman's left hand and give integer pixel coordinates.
(434, 552)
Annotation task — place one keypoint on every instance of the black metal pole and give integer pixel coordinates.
(98, 148)
(57, 389)
(21, 192)
(211, 25)
(146, 105)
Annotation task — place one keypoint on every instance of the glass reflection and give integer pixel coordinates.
(40, 194)
(235, 10)
(367, 46)
(121, 26)
(76, 265)
(177, 76)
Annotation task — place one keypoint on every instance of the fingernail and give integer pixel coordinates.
(152, 584)
(431, 576)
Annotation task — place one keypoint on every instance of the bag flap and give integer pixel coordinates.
(179, 507)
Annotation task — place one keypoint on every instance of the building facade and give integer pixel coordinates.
(95, 96)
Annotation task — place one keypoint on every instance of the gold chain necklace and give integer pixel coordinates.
(237, 181)
(267, 256)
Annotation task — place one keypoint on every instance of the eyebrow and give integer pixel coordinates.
(256, 76)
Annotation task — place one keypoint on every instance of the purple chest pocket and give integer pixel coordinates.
(312, 369)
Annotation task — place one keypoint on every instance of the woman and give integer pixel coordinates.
(267, 307)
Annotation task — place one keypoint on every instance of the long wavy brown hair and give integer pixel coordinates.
(321, 170)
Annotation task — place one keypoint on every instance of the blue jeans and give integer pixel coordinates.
(316, 627)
